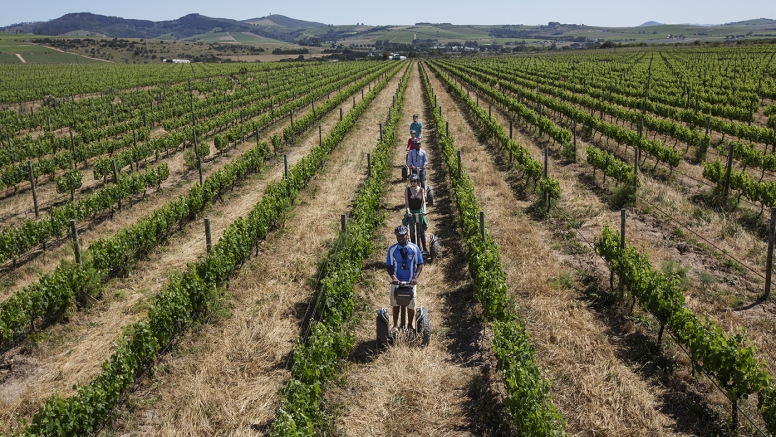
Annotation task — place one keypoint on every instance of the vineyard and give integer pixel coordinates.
(216, 233)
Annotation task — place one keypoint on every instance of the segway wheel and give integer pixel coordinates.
(429, 195)
(425, 330)
(433, 247)
(383, 333)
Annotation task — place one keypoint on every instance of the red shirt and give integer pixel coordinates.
(411, 144)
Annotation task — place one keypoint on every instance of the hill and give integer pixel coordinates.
(116, 27)
(282, 20)
(651, 23)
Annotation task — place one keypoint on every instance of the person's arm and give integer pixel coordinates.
(390, 268)
(407, 200)
(424, 200)
(414, 279)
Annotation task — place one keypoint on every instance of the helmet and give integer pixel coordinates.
(414, 177)
(400, 230)
(412, 131)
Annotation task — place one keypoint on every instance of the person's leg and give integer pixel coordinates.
(411, 226)
(396, 316)
(411, 317)
(423, 178)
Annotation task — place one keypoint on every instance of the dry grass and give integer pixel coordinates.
(74, 352)
(229, 371)
(595, 391)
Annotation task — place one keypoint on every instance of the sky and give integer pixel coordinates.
(612, 13)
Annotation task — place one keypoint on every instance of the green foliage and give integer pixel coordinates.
(490, 128)
(529, 400)
(763, 192)
(730, 359)
(610, 165)
(15, 241)
(70, 181)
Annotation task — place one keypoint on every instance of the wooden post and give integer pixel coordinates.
(72, 147)
(482, 225)
(362, 94)
(34, 191)
(292, 118)
(729, 167)
(115, 171)
(575, 133)
(208, 236)
(435, 102)
(622, 229)
(48, 122)
(447, 128)
(636, 157)
(546, 159)
(285, 165)
(459, 164)
(343, 222)
(76, 246)
(369, 165)
(769, 261)
(196, 153)
(510, 129)
(354, 101)
(381, 132)
(340, 114)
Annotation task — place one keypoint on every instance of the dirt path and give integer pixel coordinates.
(77, 54)
(444, 388)
(20, 58)
(74, 351)
(229, 371)
(594, 390)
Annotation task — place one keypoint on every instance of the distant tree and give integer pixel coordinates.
(385, 55)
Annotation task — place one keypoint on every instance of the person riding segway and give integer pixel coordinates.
(415, 205)
(404, 263)
(417, 161)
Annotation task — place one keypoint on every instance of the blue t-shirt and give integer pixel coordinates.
(404, 260)
(417, 127)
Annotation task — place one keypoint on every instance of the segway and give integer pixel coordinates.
(403, 296)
